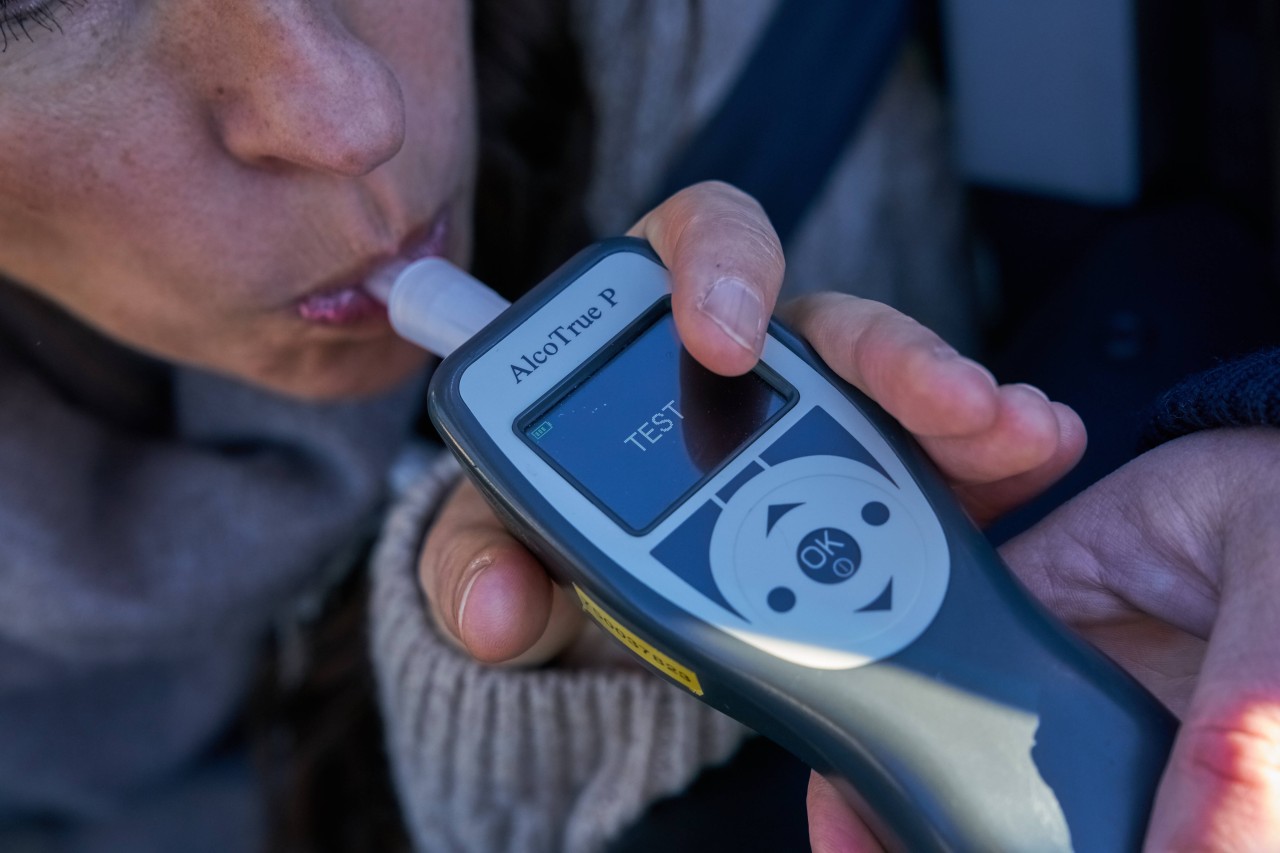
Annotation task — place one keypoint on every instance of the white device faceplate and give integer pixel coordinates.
(819, 631)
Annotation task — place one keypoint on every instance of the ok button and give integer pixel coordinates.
(828, 555)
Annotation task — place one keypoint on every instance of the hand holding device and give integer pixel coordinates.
(1180, 587)
(799, 542)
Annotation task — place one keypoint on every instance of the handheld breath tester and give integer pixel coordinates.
(777, 545)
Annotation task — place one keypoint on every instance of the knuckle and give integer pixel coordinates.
(1236, 749)
(714, 205)
(879, 329)
(721, 191)
(708, 216)
(717, 220)
(815, 313)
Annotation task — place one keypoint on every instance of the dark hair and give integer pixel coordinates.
(320, 740)
(536, 142)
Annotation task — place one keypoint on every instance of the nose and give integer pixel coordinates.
(291, 84)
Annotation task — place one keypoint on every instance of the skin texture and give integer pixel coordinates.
(1169, 566)
(178, 174)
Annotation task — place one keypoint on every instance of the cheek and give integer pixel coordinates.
(50, 171)
(86, 215)
(71, 109)
(97, 222)
(61, 171)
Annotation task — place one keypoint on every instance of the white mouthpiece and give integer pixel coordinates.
(438, 306)
(380, 283)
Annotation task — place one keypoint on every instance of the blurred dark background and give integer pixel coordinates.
(1105, 292)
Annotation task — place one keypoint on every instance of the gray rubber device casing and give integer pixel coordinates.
(995, 729)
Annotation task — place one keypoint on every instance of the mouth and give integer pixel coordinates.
(354, 299)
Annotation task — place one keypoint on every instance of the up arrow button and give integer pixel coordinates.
(777, 511)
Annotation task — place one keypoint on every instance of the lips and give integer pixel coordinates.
(352, 302)
(344, 307)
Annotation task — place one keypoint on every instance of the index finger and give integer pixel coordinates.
(726, 267)
(904, 366)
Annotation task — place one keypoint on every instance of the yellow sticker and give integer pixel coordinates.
(680, 674)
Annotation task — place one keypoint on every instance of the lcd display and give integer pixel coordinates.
(650, 425)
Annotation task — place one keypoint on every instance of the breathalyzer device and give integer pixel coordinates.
(777, 545)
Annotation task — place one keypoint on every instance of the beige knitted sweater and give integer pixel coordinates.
(493, 759)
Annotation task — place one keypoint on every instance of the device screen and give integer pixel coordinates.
(650, 425)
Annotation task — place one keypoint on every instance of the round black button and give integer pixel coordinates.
(875, 513)
(828, 555)
(782, 599)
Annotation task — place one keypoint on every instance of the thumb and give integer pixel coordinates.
(1221, 790)
(487, 593)
(726, 270)
(834, 827)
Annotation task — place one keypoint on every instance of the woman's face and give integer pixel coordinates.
(213, 181)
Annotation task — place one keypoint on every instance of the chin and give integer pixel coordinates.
(343, 373)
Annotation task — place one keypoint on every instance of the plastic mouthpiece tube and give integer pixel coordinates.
(438, 306)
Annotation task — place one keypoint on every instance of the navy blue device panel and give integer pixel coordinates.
(650, 425)
(686, 551)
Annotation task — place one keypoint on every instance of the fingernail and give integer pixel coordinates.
(737, 310)
(466, 594)
(981, 368)
(1035, 391)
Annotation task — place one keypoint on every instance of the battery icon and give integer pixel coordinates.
(540, 430)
